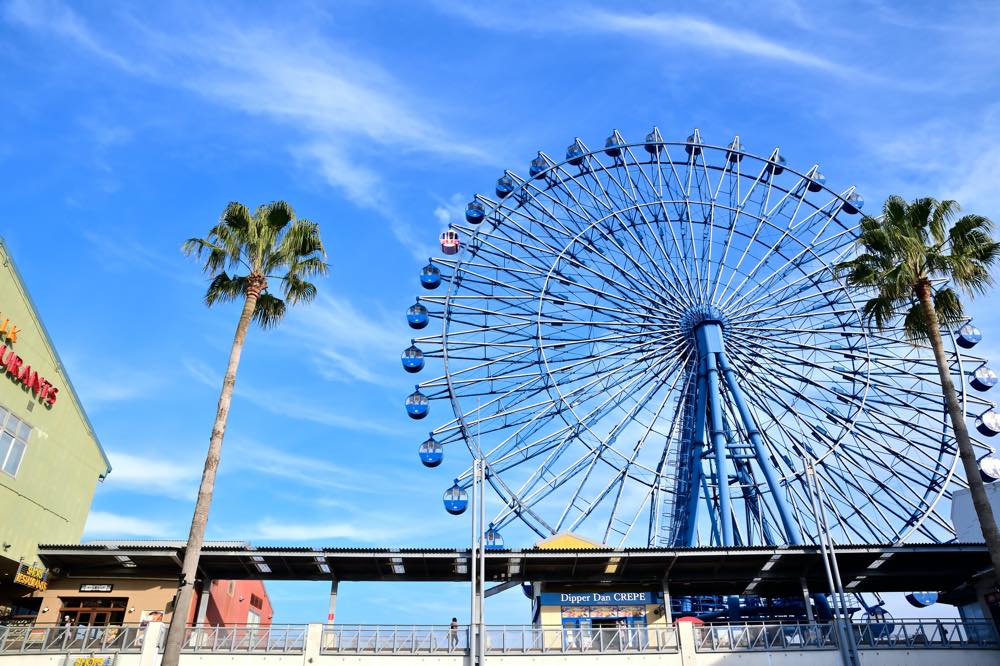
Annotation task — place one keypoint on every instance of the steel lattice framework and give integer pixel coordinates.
(650, 344)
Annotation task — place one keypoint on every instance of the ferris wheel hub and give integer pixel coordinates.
(701, 314)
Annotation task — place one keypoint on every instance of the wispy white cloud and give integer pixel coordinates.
(344, 111)
(284, 401)
(363, 532)
(56, 18)
(107, 524)
(666, 28)
(347, 343)
(312, 471)
(156, 475)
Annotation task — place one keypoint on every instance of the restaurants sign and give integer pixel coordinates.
(597, 598)
(19, 370)
(33, 577)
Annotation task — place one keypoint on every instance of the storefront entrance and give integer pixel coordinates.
(92, 611)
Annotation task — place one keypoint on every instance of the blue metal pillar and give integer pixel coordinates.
(792, 532)
(709, 336)
(697, 449)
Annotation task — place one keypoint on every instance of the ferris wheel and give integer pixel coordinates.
(647, 345)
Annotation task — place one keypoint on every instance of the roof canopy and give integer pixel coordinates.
(767, 571)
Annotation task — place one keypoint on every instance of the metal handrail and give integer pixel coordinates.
(38, 638)
(893, 634)
(246, 638)
(499, 639)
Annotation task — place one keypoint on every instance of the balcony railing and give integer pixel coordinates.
(894, 634)
(250, 638)
(26, 639)
(513, 639)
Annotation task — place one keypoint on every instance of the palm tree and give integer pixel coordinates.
(902, 254)
(242, 253)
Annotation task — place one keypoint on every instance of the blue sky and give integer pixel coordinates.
(126, 130)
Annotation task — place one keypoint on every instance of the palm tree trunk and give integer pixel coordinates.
(192, 553)
(980, 502)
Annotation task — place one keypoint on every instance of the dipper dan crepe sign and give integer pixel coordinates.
(18, 369)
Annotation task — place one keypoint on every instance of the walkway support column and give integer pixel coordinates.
(331, 612)
(203, 599)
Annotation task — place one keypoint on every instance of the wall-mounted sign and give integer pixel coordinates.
(33, 577)
(18, 370)
(97, 587)
(596, 598)
(8, 332)
(93, 661)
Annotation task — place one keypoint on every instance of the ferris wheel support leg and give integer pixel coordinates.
(710, 349)
(792, 532)
(719, 448)
(698, 448)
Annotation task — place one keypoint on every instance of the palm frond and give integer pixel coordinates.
(225, 288)
(269, 311)
(915, 325)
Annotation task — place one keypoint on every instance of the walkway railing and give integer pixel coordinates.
(378, 639)
(25, 639)
(274, 638)
(512, 639)
(895, 634)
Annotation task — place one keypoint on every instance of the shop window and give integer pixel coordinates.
(92, 611)
(14, 434)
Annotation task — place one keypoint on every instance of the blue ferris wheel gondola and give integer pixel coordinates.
(654, 142)
(776, 165)
(475, 212)
(816, 181)
(988, 423)
(431, 452)
(505, 185)
(989, 468)
(416, 316)
(984, 378)
(693, 144)
(922, 599)
(613, 145)
(575, 153)
(734, 152)
(854, 203)
(430, 277)
(969, 336)
(492, 539)
(417, 405)
(537, 167)
(456, 500)
(412, 359)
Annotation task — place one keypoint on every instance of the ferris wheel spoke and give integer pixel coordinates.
(682, 283)
(623, 423)
(660, 202)
(761, 403)
(780, 273)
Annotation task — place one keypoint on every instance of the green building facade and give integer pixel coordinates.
(50, 458)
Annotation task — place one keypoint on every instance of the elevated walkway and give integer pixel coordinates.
(912, 642)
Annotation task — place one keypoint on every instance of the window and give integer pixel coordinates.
(14, 434)
(231, 590)
(253, 618)
(256, 601)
